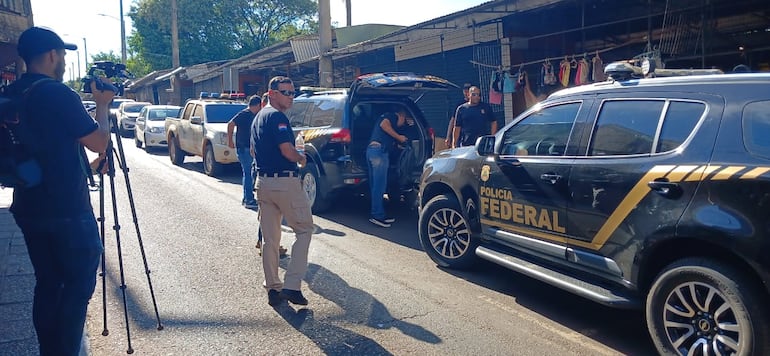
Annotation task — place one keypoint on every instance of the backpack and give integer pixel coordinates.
(19, 167)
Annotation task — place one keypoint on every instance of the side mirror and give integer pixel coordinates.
(485, 146)
(196, 120)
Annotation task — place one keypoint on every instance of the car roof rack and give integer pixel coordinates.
(623, 70)
(321, 90)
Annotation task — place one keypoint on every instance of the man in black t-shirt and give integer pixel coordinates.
(242, 121)
(56, 216)
(280, 194)
(449, 140)
(471, 120)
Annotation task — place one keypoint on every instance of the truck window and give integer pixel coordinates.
(222, 113)
(188, 112)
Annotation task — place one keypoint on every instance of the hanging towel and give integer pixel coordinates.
(598, 68)
(495, 97)
(508, 84)
(564, 72)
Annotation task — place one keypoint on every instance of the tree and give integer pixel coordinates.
(220, 30)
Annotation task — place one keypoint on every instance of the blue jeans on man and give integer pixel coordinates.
(378, 178)
(244, 156)
(65, 253)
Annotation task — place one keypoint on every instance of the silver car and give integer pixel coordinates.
(127, 114)
(150, 130)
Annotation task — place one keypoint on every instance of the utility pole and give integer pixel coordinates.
(174, 36)
(85, 53)
(348, 10)
(325, 68)
(122, 35)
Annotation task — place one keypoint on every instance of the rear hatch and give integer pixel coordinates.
(403, 87)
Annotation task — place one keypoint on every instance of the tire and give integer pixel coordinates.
(210, 165)
(146, 147)
(137, 142)
(319, 199)
(693, 300)
(445, 234)
(175, 152)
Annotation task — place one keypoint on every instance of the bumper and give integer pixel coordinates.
(224, 154)
(155, 139)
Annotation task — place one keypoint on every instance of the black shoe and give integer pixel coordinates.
(274, 298)
(293, 296)
(389, 220)
(379, 222)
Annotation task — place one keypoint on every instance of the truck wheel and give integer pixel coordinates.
(701, 306)
(445, 234)
(137, 142)
(311, 184)
(210, 166)
(174, 151)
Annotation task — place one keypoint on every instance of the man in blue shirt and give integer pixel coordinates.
(56, 216)
(471, 120)
(242, 121)
(280, 194)
(384, 137)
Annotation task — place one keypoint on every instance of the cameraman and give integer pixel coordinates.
(56, 216)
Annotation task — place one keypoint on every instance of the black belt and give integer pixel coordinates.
(278, 174)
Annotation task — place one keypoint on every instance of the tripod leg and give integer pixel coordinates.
(116, 227)
(103, 272)
(124, 168)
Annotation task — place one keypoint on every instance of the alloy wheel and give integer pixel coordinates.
(448, 233)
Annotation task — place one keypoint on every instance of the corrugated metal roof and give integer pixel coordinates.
(305, 48)
(251, 60)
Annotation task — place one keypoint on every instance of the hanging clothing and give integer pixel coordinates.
(564, 72)
(509, 86)
(581, 77)
(598, 69)
(548, 78)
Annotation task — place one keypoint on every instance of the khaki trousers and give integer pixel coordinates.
(283, 197)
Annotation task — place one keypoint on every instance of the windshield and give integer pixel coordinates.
(133, 108)
(116, 103)
(222, 113)
(161, 114)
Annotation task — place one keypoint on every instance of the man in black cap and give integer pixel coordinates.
(449, 140)
(56, 216)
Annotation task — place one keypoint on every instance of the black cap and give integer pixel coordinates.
(37, 40)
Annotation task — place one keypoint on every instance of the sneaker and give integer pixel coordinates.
(282, 252)
(389, 220)
(293, 296)
(378, 222)
(274, 298)
(250, 205)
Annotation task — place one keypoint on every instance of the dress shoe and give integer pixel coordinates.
(293, 296)
(273, 298)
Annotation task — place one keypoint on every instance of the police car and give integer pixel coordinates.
(635, 193)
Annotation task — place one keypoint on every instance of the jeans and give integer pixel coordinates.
(378, 178)
(244, 156)
(65, 253)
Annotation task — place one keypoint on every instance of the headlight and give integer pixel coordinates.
(156, 129)
(221, 138)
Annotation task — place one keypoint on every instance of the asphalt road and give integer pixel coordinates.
(372, 291)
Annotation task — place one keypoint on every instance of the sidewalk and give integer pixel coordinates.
(17, 281)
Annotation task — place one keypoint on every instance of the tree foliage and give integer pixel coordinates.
(216, 30)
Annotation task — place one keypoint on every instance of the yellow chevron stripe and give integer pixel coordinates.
(696, 175)
(633, 198)
(727, 172)
(679, 172)
(756, 172)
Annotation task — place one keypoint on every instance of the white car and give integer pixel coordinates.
(150, 129)
(127, 114)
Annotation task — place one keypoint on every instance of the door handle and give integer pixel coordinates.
(666, 189)
(550, 177)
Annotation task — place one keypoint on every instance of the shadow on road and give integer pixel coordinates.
(360, 308)
(622, 330)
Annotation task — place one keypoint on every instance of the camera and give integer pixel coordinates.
(115, 71)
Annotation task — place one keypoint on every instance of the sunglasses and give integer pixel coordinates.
(289, 93)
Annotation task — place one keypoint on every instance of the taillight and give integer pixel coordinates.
(342, 135)
(432, 133)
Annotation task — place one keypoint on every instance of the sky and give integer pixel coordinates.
(94, 26)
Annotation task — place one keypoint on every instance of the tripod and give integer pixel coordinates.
(111, 156)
